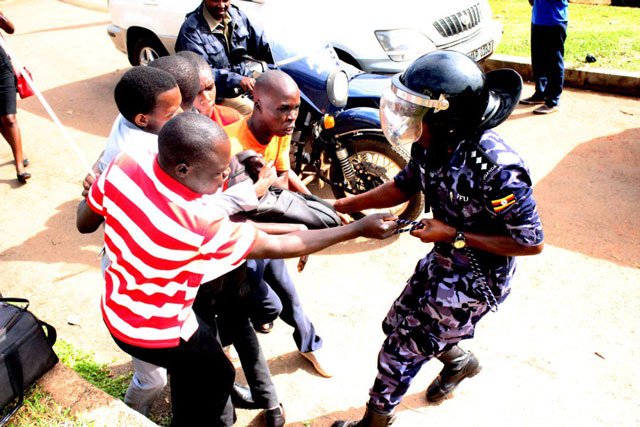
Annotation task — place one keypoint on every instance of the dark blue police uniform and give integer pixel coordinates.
(484, 188)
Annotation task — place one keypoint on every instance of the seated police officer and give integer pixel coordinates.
(215, 30)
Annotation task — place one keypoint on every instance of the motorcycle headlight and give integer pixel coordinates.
(404, 44)
(338, 88)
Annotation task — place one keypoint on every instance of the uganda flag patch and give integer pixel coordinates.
(503, 203)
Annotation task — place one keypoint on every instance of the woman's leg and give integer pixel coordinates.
(11, 132)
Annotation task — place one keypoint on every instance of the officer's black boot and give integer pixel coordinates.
(370, 419)
(458, 365)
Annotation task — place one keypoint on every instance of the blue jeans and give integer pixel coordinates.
(275, 294)
(547, 61)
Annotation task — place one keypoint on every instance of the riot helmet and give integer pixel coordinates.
(450, 93)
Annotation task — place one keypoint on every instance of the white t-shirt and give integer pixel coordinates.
(126, 136)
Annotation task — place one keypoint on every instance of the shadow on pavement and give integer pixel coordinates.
(57, 241)
(409, 403)
(590, 202)
(522, 112)
(288, 363)
(85, 105)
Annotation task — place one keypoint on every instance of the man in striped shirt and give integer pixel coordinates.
(163, 232)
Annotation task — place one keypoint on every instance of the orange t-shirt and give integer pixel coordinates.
(224, 115)
(276, 150)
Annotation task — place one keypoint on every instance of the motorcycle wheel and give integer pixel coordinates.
(375, 162)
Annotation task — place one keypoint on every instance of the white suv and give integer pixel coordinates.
(374, 35)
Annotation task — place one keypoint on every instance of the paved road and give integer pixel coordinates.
(561, 351)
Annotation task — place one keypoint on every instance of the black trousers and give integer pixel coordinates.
(200, 374)
(547, 60)
(224, 302)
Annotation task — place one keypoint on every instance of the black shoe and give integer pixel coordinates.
(274, 417)
(23, 177)
(546, 109)
(370, 419)
(264, 329)
(458, 365)
(241, 397)
(535, 99)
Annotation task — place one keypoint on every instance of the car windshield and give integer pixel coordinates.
(296, 42)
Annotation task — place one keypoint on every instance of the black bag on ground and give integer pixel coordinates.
(25, 352)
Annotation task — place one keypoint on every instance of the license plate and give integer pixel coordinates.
(481, 52)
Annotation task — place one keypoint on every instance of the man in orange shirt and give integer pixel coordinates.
(268, 132)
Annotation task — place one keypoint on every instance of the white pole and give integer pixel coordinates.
(44, 102)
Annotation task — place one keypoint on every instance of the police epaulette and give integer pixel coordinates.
(480, 162)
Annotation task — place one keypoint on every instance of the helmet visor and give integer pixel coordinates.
(401, 120)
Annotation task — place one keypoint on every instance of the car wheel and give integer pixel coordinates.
(146, 50)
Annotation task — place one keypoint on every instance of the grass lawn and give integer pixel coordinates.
(39, 410)
(611, 34)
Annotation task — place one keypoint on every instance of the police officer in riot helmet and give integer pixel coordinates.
(479, 192)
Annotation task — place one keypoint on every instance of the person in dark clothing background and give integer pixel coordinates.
(8, 121)
(215, 30)
(549, 20)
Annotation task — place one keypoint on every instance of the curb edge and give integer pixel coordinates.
(68, 389)
(598, 79)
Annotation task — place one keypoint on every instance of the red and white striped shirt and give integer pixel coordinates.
(161, 238)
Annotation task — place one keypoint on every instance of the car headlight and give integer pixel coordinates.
(404, 44)
(338, 88)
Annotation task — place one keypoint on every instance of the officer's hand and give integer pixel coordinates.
(247, 84)
(377, 226)
(434, 230)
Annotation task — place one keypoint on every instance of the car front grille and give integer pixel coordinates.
(458, 22)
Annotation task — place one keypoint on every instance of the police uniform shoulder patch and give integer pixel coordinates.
(480, 162)
(499, 205)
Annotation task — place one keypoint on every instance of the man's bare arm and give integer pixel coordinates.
(385, 196)
(89, 179)
(437, 231)
(87, 221)
(278, 228)
(296, 184)
(305, 242)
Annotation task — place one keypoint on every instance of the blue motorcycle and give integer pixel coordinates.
(338, 138)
